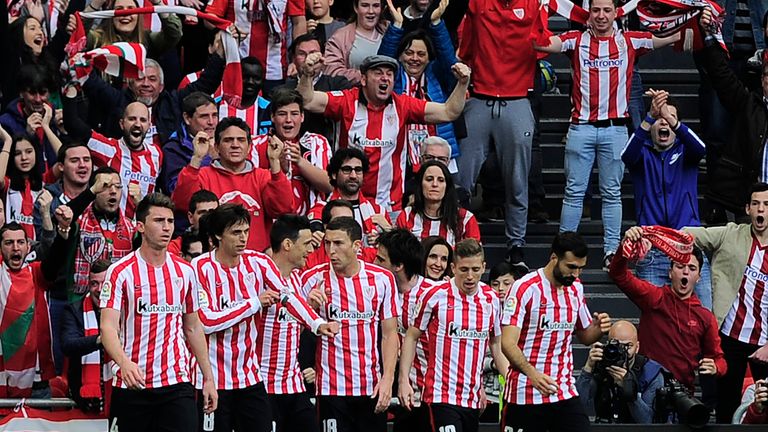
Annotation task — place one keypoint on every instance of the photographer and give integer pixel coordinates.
(621, 383)
(757, 414)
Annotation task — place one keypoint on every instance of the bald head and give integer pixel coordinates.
(135, 124)
(626, 333)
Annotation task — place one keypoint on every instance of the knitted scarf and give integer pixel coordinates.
(676, 244)
(661, 17)
(124, 59)
(25, 332)
(91, 362)
(232, 83)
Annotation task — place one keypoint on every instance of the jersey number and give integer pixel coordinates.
(449, 428)
(329, 425)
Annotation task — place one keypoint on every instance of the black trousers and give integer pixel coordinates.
(729, 385)
(293, 412)
(166, 409)
(240, 410)
(563, 416)
(349, 414)
(452, 418)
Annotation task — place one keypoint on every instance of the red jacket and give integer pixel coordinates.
(754, 417)
(266, 196)
(676, 333)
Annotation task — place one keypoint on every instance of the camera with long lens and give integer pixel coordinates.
(674, 398)
(615, 353)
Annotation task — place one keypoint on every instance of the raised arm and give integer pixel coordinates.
(314, 101)
(452, 108)
(661, 42)
(555, 46)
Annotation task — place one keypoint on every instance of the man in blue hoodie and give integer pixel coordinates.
(663, 157)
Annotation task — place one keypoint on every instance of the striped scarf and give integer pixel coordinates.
(232, 83)
(92, 368)
(661, 17)
(676, 244)
(25, 332)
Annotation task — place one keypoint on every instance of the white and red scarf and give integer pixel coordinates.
(677, 245)
(661, 17)
(91, 362)
(232, 83)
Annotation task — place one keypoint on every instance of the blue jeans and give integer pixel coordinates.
(584, 144)
(654, 268)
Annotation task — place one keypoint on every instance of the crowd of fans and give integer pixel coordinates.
(296, 257)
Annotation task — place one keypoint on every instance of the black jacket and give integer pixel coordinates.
(741, 162)
(166, 112)
(74, 345)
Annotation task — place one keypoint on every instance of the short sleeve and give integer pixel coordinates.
(568, 40)
(112, 289)
(218, 8)
(192, 295)
(496, 327)
(585, 316)
(414, 110)
(424, 309)
(515, 308)
(337, 103)
(390, 301)
(295, 8)
(641, 42)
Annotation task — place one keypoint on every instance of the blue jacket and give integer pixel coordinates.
(14, 121)
(438, 75)
(757, 9)
(666, 190)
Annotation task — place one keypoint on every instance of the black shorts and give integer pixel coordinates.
(417, 419)
(293, 412)
(563, 416)
(349, 414)
(452, 418)
(169, 408)
(244, 409)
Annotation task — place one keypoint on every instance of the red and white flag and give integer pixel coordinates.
(232, 83)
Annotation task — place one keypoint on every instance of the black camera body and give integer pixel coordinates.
(615, 353)
(674, 398)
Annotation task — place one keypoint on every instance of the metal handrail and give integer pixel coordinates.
(39, 403)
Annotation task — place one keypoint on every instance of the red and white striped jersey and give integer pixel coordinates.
(314, 148)
(20, 206)
(278, 344)
(459, 328)
(547, 317)
(348, 364)
(362, 208)
(746, 319)
(140, 167)
(423, 226)
(151, 301)
(228, 304)
(377, 132)
(267, 22)
(602, 71)
(410, 302)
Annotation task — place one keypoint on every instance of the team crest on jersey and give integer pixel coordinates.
(178, 283)
(391, 119)
(91, 246)
(546, 324)
(510, 304)
(519, 13)
(250, 279)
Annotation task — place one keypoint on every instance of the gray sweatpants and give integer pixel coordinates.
(509, 125)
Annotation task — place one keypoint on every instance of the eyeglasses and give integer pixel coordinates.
(346, 169)
(429, 157)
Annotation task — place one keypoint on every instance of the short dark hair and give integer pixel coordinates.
(504, 268)
(32, 77)
(332, 204)
(306, 37)
(347, 224)
(155, 199)
(61, 155)
(228, 122)
(468, 248)
(225, 216)
(100, 266)
(697, 253)
(106, 169)
(11, 226)
(201, 196)
(404, 249)
(252, 61)
(758, 187)
(286, 226)
(569, 241)
(282, 96)
(187, 238)
(195, 100)
(615, 3)
(341, 155)
(418, 34)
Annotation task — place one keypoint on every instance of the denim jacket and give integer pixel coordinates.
(757, 9)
